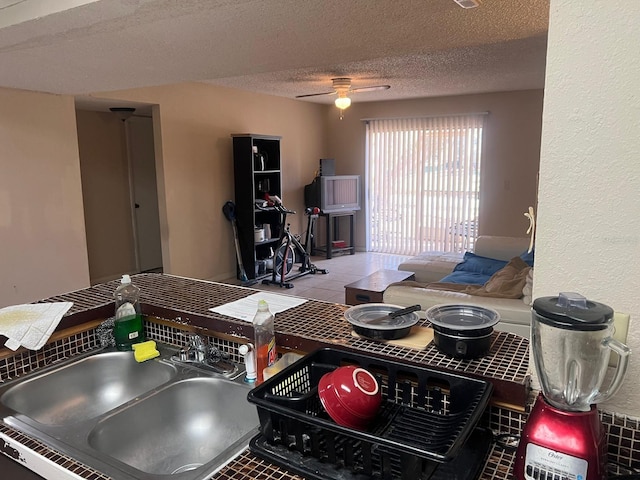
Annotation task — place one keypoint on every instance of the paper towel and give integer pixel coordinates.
(31, 325)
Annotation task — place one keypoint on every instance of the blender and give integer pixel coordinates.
(571, 341)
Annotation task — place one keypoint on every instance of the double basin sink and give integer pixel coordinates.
(134, 420)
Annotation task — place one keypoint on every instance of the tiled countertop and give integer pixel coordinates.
(305, 328)
(316, 323)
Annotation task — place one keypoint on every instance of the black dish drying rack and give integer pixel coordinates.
(425, 419)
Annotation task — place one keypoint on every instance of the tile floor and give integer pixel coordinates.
(343, 269)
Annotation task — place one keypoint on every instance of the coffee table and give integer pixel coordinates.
(370, 289)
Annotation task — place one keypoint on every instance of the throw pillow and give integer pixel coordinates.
(478, 264)
(467, 278)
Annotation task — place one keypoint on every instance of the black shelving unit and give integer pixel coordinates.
(252, 178)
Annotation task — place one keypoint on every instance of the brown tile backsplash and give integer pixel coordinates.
(25, 361)
(623, 436)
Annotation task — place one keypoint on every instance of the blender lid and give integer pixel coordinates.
(573, 311)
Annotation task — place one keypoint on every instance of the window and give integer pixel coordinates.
(423, 180)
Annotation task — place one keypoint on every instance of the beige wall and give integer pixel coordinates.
(42, 241)
(105, 189)
(589, 233)
(195, 124)
(41, 206)
(511, 150)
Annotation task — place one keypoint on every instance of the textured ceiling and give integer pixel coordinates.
(421, 48)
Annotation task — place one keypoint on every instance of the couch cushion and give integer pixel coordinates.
(431, 266)
(501, 248)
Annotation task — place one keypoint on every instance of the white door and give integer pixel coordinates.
(144, 192)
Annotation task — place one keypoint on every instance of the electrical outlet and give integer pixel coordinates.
(621, 325)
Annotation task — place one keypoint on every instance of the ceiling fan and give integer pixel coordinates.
(342, 88)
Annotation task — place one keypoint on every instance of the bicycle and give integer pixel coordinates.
(288, 246)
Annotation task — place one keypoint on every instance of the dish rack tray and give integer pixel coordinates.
(425, 418)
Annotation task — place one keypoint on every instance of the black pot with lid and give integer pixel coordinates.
(462, 331)
(382, 321)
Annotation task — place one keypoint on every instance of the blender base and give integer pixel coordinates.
(561, 444)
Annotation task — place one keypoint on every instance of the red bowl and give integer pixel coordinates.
(350, 395)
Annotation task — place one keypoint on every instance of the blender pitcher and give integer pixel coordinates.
(571, 344)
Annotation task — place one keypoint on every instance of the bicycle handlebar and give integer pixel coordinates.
(279, 207)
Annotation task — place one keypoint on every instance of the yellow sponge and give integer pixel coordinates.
(145, 351)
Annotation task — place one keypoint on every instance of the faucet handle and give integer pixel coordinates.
(192, 339)
(196, 340)
(197, 345)
(215, 354)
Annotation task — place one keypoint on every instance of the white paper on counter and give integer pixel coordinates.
(246, 308)
(31, 325)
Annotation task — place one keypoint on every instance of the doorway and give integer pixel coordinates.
(120, 194)
(144, 193)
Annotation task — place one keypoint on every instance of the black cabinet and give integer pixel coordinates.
(256, 170)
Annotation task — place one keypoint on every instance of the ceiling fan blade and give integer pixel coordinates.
(316, 94)
(370, 89)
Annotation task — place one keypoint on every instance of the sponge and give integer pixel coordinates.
(145, 351)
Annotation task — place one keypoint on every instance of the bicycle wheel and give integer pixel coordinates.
(285, 254)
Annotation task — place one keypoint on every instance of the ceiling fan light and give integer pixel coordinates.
(343, 102)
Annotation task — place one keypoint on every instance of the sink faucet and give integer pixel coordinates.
(199, 353)
(198, 349)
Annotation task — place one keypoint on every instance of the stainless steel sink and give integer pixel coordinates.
(198, 420)
(86, 388)
(132, 420)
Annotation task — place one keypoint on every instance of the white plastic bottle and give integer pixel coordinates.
(264, 339)
(128, 327)
(249, 355)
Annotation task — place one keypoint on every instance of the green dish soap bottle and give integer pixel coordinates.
(128, 327)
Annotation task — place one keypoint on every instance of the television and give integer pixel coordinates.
(333, 193)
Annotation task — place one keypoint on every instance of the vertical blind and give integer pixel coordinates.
(423, 180)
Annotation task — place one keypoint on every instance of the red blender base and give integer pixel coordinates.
(561, 445)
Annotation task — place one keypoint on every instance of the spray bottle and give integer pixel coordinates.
(248, 352)
(264, 339)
